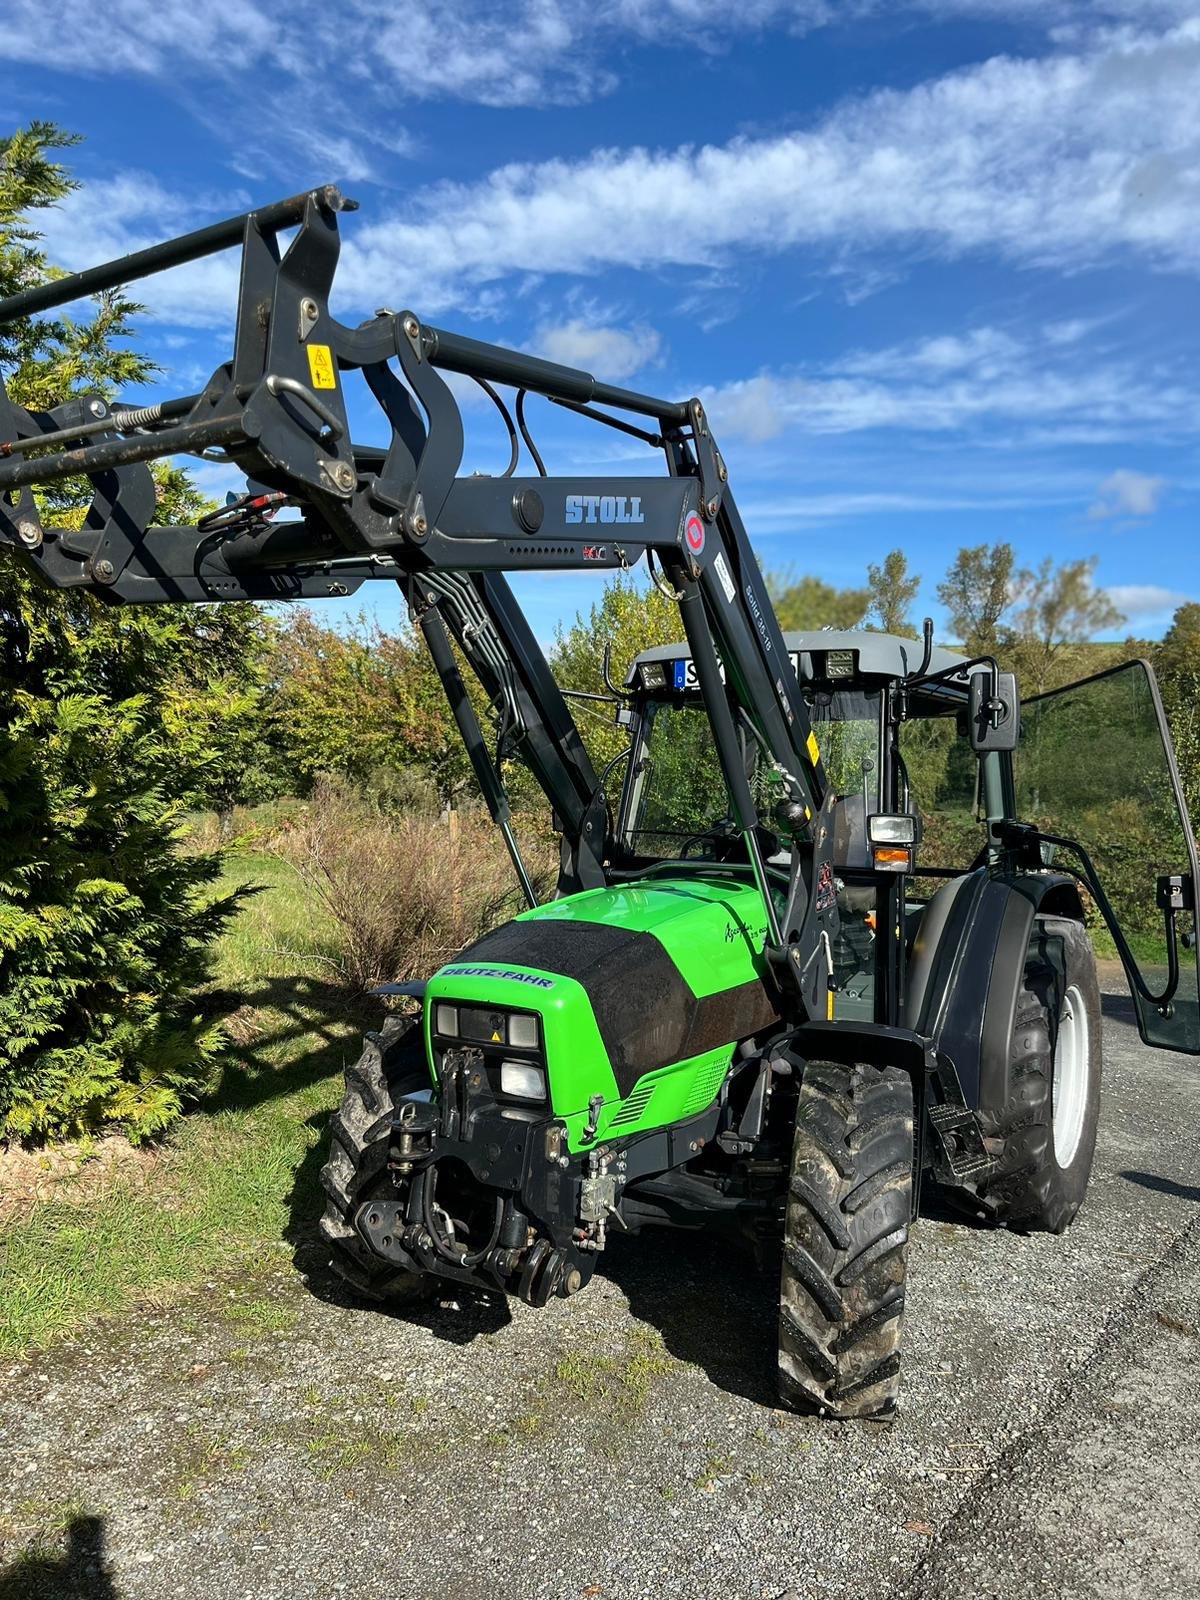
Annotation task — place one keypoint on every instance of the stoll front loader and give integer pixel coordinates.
(776, 989)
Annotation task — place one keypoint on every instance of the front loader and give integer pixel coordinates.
(777, 990)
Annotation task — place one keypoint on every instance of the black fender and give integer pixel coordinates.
(969, 998)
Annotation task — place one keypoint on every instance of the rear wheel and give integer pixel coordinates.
(1055, 1053)
(846, 1241)
(392, 1064)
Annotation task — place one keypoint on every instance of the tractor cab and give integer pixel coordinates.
(919, 806)
(888, 743)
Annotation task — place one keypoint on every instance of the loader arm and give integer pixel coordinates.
(277, 411)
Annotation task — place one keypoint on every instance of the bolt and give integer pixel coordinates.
(564, 1161)
(425, 1242)
(308, 308)
(713, 506)
(419, 525)
(722, 470)
(103, 570)
(97, 408)
(343, 475)
(412, 327)
(29, 533)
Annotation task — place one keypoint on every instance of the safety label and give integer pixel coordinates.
(320, 365)
(722, 572)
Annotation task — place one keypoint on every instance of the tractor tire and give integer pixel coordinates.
(1054, 1063)
(845, 1242)
(392, 1064)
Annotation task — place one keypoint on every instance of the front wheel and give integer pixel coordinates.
(845, 1242)
(392, 1064)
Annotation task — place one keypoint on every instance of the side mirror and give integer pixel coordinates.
(994, 718)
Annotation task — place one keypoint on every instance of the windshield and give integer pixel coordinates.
(676, 799)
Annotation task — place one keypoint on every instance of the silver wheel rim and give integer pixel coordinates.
(1070, 1085)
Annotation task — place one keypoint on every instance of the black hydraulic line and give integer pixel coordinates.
(458, 353)
(463, 1258)
(513, 446)
(172, 253)
(1090, 879)
(654, 439)
(720, 717)
(471, 733)
(527, 436)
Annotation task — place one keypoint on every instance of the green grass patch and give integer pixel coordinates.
(233, 1180)
(1149, 949)
(620, 1385)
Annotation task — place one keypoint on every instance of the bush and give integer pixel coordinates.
(406, 891)
(104, 924)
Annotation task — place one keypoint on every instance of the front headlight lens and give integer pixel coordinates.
(522, 1081)
(523, 1030)
(445, 1021)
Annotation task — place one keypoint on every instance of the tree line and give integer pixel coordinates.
(116, 724)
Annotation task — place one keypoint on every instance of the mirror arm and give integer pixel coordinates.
(1020, 836)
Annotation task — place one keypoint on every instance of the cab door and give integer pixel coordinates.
(1096, 765)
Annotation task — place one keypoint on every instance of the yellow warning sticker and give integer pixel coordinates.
(320, 364)
(814, 749)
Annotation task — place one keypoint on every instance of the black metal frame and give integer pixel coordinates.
(276, 410)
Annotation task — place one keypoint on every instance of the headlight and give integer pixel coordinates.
(523, 1030)
(445, 1021)
(522, 1081)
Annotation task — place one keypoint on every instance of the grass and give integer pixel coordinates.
(233, 1180)
(618, 1385)
(1149, 949)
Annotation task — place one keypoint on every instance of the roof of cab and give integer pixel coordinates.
(884, 654)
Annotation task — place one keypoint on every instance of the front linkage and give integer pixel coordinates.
(544, 1213)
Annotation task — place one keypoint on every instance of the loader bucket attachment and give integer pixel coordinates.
(1096, 763)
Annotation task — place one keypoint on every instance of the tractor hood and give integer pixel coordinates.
(628, 981)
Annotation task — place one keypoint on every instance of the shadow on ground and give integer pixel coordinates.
(714, 1308)
(297, 1008)
(80, 1572)
(1151, 1180)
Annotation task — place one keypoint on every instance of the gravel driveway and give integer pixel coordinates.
(274, 1441)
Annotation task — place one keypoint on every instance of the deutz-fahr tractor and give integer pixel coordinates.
(819, 938)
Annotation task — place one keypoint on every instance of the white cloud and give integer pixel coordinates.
(613, 354)
(986, 378)
(1146, 603)
(1128, 494)
(1065, 161)
(1068, 160)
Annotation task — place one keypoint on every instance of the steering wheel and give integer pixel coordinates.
(722, 833)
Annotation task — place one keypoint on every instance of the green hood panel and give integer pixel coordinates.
(643, 989)
(712, 928)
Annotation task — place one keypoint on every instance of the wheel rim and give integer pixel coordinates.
(1071, 1066)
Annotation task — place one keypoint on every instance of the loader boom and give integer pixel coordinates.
(277, 411)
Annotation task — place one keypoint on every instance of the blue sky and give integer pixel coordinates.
(932, 266)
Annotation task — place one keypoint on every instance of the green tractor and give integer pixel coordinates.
(617, 1058)
(826, 945)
